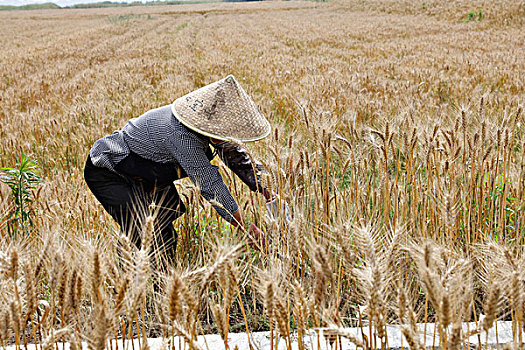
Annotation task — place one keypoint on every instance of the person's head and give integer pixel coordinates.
(222, 111)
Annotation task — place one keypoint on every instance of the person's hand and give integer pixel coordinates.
(278, 208)
(256, 238)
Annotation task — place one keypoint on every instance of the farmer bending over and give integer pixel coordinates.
(137, 165)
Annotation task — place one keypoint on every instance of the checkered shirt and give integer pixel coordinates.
(158, 136)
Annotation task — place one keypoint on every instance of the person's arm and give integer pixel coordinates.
(190, 152)
(248, 170)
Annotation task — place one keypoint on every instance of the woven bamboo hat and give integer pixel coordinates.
(222, 110)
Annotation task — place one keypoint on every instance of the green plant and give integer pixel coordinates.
(21, 180)
(124, 19)
(475, 15)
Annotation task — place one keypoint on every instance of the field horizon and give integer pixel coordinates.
(79, 4)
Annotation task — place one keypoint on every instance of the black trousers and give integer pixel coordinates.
(128, 193)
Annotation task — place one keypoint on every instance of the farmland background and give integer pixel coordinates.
(394, 122)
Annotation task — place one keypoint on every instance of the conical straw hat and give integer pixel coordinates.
(222, 110)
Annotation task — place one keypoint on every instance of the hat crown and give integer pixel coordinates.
(222, 110)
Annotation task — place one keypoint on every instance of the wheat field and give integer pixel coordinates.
(397, 141)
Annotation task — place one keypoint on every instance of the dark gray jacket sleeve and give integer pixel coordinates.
(203, 174)
(236, 158)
